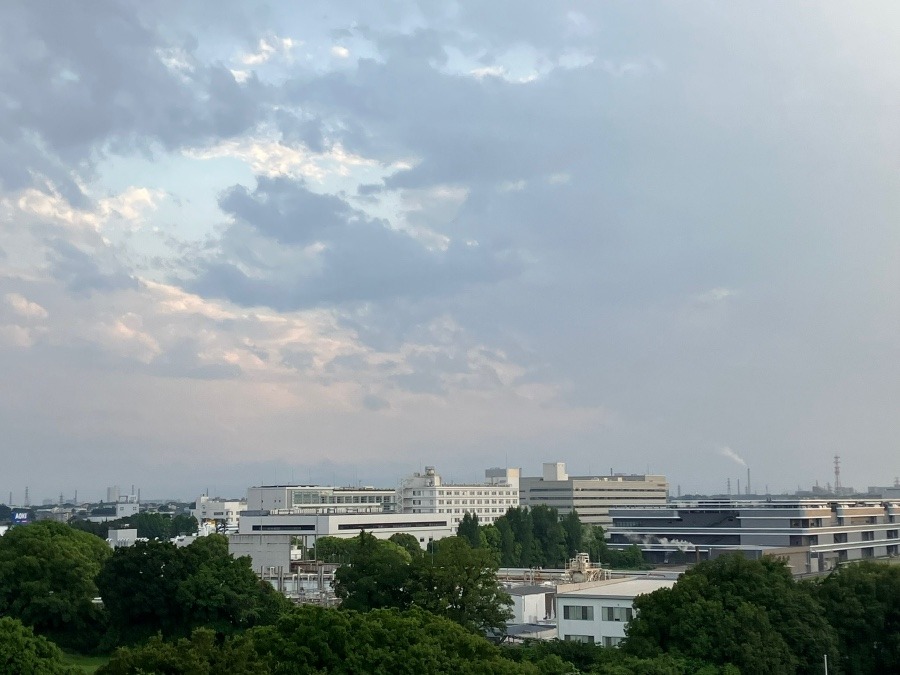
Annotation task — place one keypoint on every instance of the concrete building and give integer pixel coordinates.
(307, 527)
(591, 496)
(223, 514)
(320, 499)
(122, 537)
(268, 551)
(830, 531)
(112, 494)
(599, 611)
(427, 493)
(127, 506)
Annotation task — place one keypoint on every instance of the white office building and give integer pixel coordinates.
(320, 499)
(599, 611)
(307, 527)
(222, 514)
(427, 493)
(591, 496)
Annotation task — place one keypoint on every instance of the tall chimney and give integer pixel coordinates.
(748, 480)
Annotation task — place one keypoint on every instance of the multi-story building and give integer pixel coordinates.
(128, 505)
(830, 530)
(599, 611)
(320, 499)
(591, 496)
(224, 514)
(427, 493)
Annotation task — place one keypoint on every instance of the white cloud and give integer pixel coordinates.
(266, 49)
(340, 52)
(24, 307)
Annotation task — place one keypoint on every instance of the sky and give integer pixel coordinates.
(247, 243)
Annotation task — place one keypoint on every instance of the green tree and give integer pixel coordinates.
(156, 587)
(407, 542)
(468, 529)
(24, 653)
(318, 640)
(460, 583)
(730, 610)
(201, 653)
(549, 536)
(333, 549)
(377, 575)
(139, 586)
(574, 531)
(862, 602)
(47, 580)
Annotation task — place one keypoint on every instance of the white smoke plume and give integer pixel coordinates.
(732, 455)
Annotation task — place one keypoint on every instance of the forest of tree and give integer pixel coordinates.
(540, 537)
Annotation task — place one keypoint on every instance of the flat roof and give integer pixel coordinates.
(530, 590)
(621, 588)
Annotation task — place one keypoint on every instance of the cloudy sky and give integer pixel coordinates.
(337, 242)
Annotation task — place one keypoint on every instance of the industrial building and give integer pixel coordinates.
(830, 531)
(591, 496)
(598, 612)
(223, 514)
(427, 493)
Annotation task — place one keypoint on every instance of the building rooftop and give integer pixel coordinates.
(621, 588)
(530, 590)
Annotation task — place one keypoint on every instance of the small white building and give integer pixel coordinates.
(532, 604)
(599, 611)
(427, 493)
(221, 513)
(122, 537)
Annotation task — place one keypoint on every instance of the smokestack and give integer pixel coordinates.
(748, 480)
(729, 487)
(739, 487)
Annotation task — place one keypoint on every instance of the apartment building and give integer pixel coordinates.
(591, 496)
(427, 493)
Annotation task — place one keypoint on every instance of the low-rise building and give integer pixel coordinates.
(427, 493)
(306, 528)
(532, 604)
(598, 612)
(591, 496)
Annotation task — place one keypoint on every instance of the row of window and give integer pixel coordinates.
(586, 613)
(589, 639)
(468, 493)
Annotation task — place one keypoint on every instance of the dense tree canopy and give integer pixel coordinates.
(24, 653)
(157, 587)
(862, 602)
(377, 575)
(148, 525)
(47, 580)
(731, 610)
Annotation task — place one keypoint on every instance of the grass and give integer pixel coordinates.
(86, 664)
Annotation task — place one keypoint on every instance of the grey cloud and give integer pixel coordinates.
(106, 89)
(363, 258)
(375, 403)
(81, 271)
